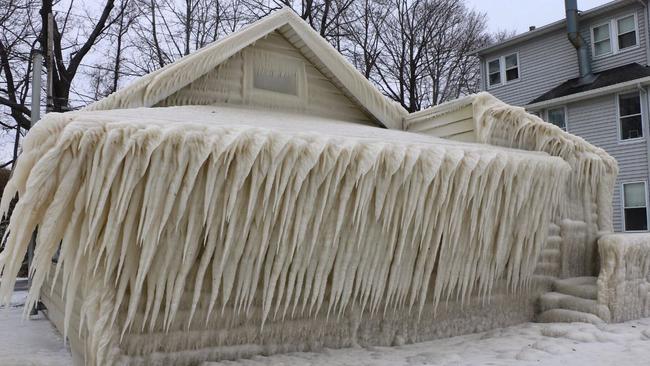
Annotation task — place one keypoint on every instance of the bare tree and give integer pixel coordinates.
(70, 48)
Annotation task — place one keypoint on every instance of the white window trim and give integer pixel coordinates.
(487, 68)
(613, 37)
(502, 70)
(566, 116)
(647, 211)
(618, 120)
(636, 33)
(593, 43)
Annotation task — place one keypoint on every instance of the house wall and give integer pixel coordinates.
(535, 66)
(549, 60)
(227, 84)
(637, 54)
(596, 120)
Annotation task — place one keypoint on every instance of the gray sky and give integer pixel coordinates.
(520, 14)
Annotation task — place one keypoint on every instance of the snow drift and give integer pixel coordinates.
(233, 210)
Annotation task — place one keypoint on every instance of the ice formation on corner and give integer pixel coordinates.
(593, 171)
(150, 210)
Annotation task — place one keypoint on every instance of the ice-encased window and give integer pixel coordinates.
(274, 79)
(285, 84)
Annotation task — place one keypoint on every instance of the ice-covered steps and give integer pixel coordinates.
(573, 300)
(584, 287)
(548, 263)
(568, 316)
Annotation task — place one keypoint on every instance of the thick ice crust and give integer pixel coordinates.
(624, 280)
(163, 219)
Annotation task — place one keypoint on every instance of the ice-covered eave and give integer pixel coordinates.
(158, 85)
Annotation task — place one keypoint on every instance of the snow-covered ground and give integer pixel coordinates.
(33, 342)
(36, 342)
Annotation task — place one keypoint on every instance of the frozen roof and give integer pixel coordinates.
(156, 86)
(285, 123)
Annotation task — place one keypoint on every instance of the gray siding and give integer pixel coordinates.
(540, 68)
(595, 120)
(637, 54)
(550, 59)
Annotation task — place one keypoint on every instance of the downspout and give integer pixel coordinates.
(584, 63)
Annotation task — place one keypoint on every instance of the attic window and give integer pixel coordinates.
(275, 80)
(285, 84)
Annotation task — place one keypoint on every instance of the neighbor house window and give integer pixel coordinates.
(602, 40)
(503, 69)
(494, 71)
(635, 207)
(512, 67)
(629, 113)
(626, 29)
(614, 36)
(557, 116)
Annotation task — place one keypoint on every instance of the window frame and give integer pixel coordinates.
(618, 118)
(252, 60)
(636, 32)
(593, 42)
(502, 70)
(613, 36)
(488, 73)
(566, 117)
(647, 213)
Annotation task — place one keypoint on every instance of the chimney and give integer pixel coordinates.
(577, 41)
(531, 28)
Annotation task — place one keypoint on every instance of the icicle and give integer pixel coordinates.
(165, 225)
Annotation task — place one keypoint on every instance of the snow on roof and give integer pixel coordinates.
(157, 85)
(277, 121)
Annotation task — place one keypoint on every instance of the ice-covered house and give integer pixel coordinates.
(261, 196)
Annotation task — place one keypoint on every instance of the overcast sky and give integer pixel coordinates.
(520, 14)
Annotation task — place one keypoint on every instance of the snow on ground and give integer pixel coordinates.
(36, 342)
(33, 342)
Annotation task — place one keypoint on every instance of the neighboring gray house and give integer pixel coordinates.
(591, 80)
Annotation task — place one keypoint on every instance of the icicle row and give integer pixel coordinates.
(160, 215)
(593, 171)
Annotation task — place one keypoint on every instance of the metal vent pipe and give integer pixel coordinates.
(584, 63)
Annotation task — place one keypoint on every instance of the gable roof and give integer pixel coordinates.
(602, 79)
(156, 86)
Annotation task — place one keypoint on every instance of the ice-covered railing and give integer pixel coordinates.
(156, 209)
(593, 171)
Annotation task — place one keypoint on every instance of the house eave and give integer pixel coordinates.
(555, 26)
(616, 88)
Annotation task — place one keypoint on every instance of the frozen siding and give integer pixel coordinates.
(225, 85)
(595, 120)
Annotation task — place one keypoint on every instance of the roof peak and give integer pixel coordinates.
(157, 85)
